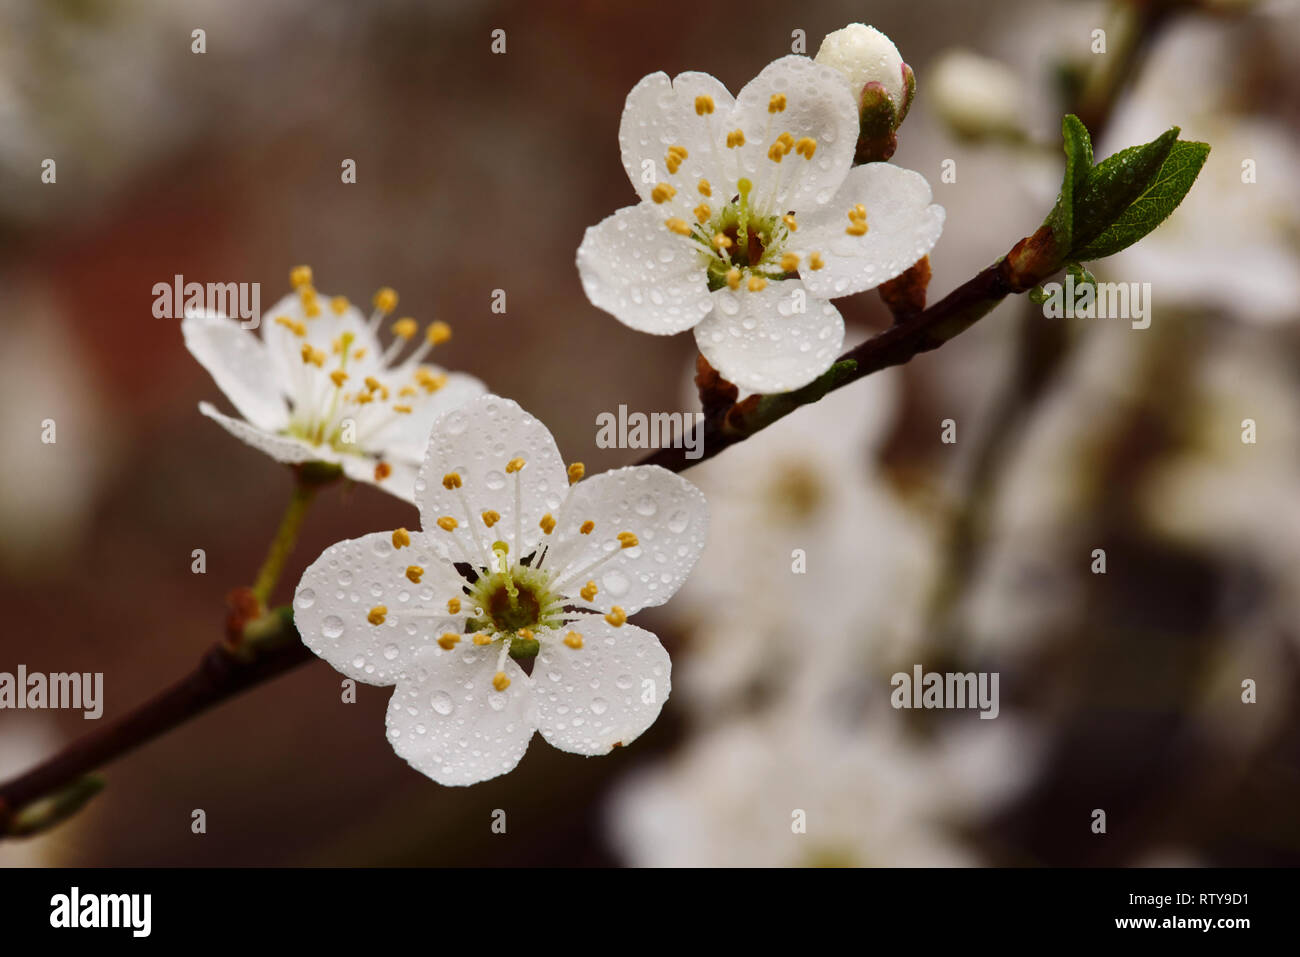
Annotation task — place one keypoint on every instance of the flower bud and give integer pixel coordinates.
(881, 82)
(976, 96)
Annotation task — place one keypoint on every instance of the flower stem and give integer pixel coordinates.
(286, 536)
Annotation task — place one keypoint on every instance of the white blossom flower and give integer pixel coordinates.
(319, 386)
(751, 218)
(519, 560)
(977, 95)
(865, 55)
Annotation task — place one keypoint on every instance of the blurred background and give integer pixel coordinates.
(479, 171)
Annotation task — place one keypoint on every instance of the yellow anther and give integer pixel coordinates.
(372, 383)
(858, 212)
(377, 614)
(735, 138)
(405, 328)
(704, 188)
(382, 471)
(722, 241)
(429, 381)
(806, 147)
(576, 471)
(514, 465)
(789, 262)
(339, 305)
(627, 540)
(482, 639)
(402, 409)
(407, 391)
(587, 527)
(815, 261)
(617, 616)
(360, 353)
(662, 193)
(588, 591)
(702, 212)
(438, 332)
(338, 377)
(451, 480)
(756, 284)
(401, 538)
(500, 681)
(775, 153)
(385, 300)
(453, 606)
(674, 158)
(293, 325)
(414, 573)
(678, 225)
(790, 222)
(525, 633)
(449, 640)
(363, 398)
(678, 151)
(300, 276)
(547, 524)
(448, 524)
(703, 105)
(490, 518)
(859, 228)
(733, 278)
(777, 103)
(573, 640)
(312, 355)
(786, 141)
(310, 307)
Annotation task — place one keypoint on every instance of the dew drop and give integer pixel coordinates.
(332, 626)
(599, 705)
(441, 703)
(306, 598)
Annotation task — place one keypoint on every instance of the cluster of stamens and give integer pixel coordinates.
(509, 600)
(745, 238)
(324, 404)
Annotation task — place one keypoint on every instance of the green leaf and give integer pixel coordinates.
(1152, 205)
(1078, 165)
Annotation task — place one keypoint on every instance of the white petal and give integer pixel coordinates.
(902, 226)
(477, 441)
(818, 105)
(338, 590)
(450, 723)
(399, 482)
(241, 367)
(669, 517)
(605, 693)
(659, 114)
(282, 448)
(645, 276)
(774, 340)
(407, 437)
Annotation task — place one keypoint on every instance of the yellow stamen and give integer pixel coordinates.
(858, 212)
(576, 471)
(587, 526)
(300, 276)
(573, 640)
(722, 241)
(451, 480)
(857, 229)
(438, 332)
(678, 225)
(376, 616)
(588, 591)
(414, 572)
(702, 212)
(627, 540)
(500, 681)
(662, 193)
(757, 284)
(777, 103)
(382, 471)
(490, 518)
(339, 305)
(525, 633)
(338, 377)
(703, 105)
(547, 523)
(789, 262)
(806, 147)
(372, 383)
(447, 523)
(482, 639)
(360, 353)
(402, 409)
(405, 328)
(363, 398)
(733, 278)
(297, 328)
(449, 640)
(401, 538)
(312, 355)
(407, 391)
(385, 300)
(514, 465)
(789, 221)
(735, 138)
(815, 261)
(786, 141)
(775, 153)
(704, 188)
(616, 617)
(453, 606)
